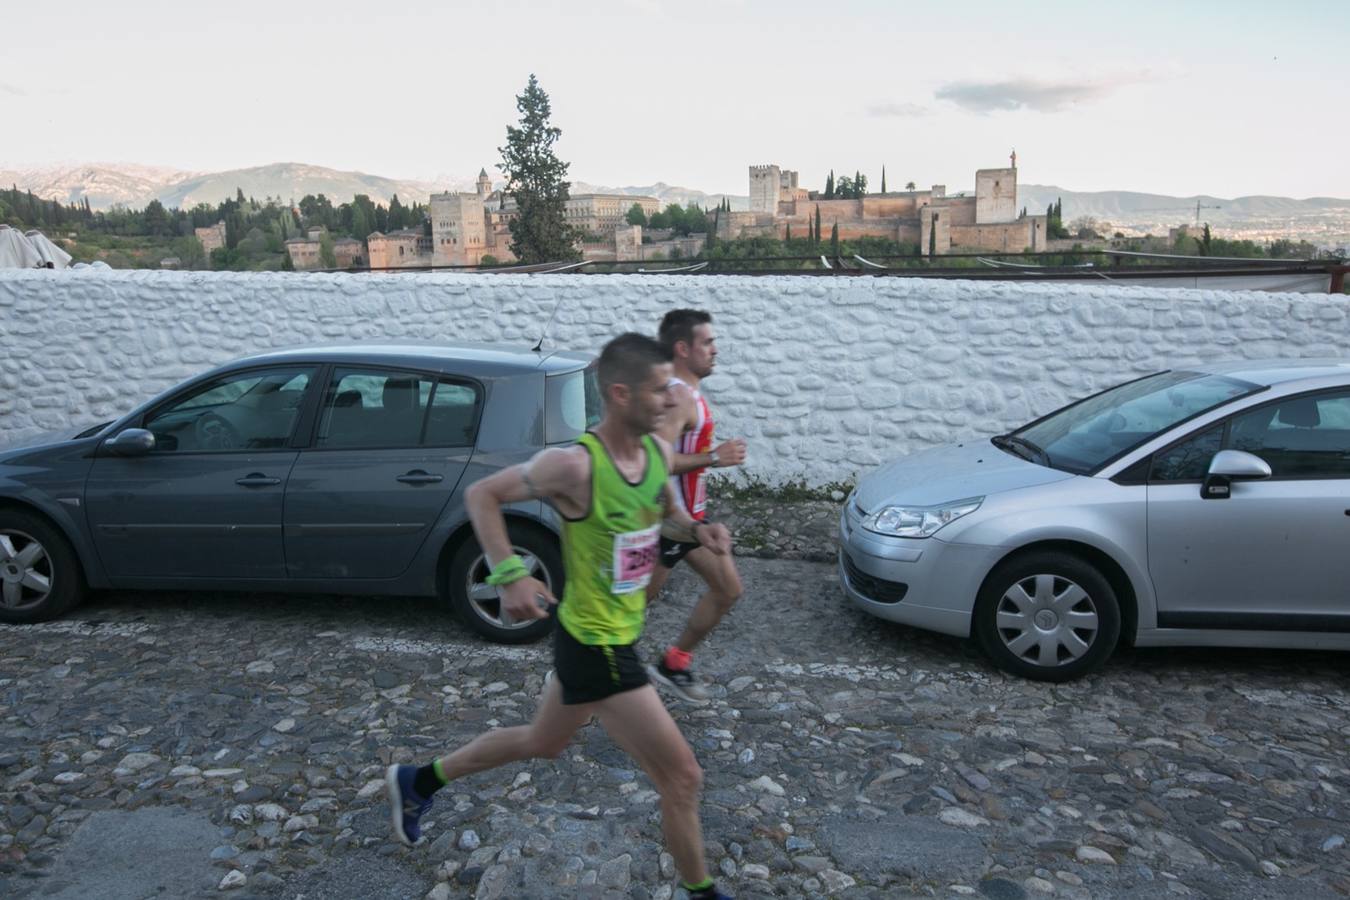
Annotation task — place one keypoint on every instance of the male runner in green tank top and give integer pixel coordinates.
(614, 494)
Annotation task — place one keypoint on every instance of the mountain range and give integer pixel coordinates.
(107, 185)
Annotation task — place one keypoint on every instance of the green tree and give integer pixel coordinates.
(155, 218)
(1205, 240)
(909, 185)
(829, 186)
(636, 216)
(787, 235)
(815, 240)
(834, 240)
(843, 188)
(537, 179)
(363, 217)
(883, 179)
(327, 258)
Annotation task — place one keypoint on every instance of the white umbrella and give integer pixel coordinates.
(53, 257)
(16, 252)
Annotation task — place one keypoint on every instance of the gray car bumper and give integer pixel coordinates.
(924, 583)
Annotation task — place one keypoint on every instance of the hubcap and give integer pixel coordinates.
(25, 571)
(1047, 620)
(483, 596)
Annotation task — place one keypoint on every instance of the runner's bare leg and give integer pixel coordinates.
(724, 589)
(639, 723)
(547, 736)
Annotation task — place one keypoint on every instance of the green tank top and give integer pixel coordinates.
(610, 553)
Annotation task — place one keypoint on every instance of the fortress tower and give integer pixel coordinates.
(764, 184)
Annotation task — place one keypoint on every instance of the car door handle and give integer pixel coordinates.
(417, 476)
(256, 479)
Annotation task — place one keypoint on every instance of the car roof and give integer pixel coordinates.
(1271, 372)
(468, 358)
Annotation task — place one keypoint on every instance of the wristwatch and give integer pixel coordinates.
(712, 458)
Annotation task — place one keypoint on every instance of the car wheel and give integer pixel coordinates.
(39, 574)
(476, 602)
(1047, 616)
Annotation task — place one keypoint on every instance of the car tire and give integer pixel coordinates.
(474, 601)
(40, 577)
(1047, 616)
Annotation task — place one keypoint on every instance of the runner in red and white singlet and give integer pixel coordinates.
(689, 336)
(692, 486)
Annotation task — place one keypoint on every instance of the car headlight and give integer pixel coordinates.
(919, 521)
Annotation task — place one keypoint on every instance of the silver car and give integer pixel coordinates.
(1207, 506)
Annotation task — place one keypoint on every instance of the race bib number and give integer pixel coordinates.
(635, 555)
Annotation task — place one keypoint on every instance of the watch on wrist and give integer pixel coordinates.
(712, 459)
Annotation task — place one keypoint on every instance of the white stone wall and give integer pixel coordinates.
(825, 377)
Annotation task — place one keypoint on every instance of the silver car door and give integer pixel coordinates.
(1276, 553)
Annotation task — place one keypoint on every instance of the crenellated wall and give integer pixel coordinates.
(825, 377)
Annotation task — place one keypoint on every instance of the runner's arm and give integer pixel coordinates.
(554, 474)
(680, 526)
(728, 453)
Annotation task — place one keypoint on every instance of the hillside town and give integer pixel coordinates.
(474, 228)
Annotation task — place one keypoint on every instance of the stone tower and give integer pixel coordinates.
(484, 183)
(765, 182)
(458, 229)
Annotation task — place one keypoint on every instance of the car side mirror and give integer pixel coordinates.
(1229, 466)
(131, 442)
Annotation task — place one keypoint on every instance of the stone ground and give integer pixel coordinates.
(183, 745)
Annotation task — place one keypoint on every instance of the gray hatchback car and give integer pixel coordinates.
(329, 469)
(1205, 506)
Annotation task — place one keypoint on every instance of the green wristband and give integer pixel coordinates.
(508, 570)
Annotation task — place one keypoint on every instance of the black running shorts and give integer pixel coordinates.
(674, 551)
(589, 673)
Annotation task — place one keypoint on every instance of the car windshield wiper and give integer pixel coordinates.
(1022, 447)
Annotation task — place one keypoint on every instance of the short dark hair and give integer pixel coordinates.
(628, 359)
(678, 325)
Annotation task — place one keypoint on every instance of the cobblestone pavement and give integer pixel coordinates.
(190, 745)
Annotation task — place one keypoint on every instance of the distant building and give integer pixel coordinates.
(349, 253)
(601, 214)
(407, 247)
(212, 237)
(935, 222)
(305, 253)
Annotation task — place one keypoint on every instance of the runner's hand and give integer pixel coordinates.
(715, 537)
(730, 453)
(520, 599)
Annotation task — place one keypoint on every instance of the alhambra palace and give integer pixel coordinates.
(464, 228)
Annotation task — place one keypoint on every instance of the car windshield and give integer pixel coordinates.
(1084, 436)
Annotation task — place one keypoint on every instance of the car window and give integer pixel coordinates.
(574, 406)
(373, 408)
(1086, 435)
(452, 415)
(254, 410)
(1188, 460)
(1302, 437)
(370, 408)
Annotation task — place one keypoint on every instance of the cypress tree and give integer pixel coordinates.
(817, 239)
(883, 179)
(537, 179)
(829, 186)
(834, 240)
(787, 238)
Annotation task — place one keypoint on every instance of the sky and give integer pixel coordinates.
(1197, 97)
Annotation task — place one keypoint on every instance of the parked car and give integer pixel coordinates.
(1206, 506)
(323, 469)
